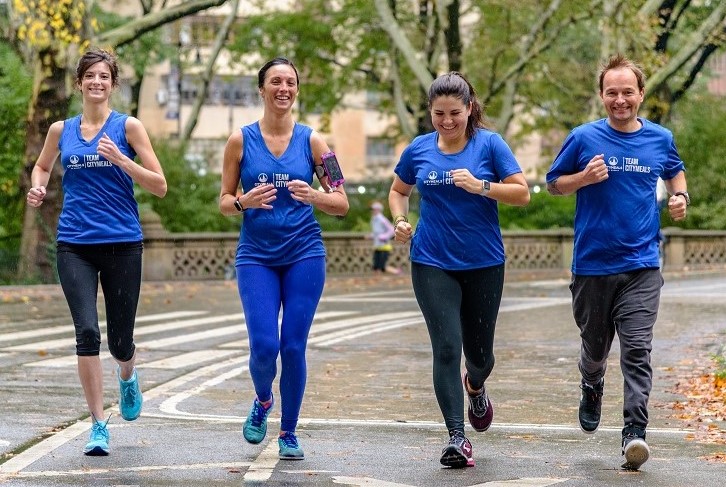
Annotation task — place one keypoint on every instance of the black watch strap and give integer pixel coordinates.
(238, 205)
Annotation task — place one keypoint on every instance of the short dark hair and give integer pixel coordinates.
(274, 62)
(93, 56)
(619, 61)
(456, 85)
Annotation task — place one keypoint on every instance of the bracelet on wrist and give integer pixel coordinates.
(399, 219)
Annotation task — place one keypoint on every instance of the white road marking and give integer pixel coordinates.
(262, 467)
(523, 482)
(138, 331)
(55, 330)
(148, 468)
(367, 482)
(187, 359)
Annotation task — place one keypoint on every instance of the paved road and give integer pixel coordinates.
(369, 416)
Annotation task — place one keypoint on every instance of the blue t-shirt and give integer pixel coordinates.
(617, 220)
(289, 231)
(456, 230)
(98, 197)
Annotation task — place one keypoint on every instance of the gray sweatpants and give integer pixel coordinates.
(626, 304)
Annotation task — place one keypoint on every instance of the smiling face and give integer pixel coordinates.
(280, 87)
(450, 116)
(621, 98)
(97, 82)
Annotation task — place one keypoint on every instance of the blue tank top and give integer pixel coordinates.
(289, 231)
(98, 197)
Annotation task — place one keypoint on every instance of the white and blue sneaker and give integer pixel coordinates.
(98, 439)
(289, 447)
(130, 398)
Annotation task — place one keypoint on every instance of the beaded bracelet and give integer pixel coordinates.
(399, 219)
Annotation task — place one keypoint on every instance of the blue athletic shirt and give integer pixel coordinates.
(617, 220)
(98, 197)
(289, 231)
(457, 230)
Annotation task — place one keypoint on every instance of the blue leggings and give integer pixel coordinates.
(296, 288)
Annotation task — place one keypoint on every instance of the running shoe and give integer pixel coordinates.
(590, 406)
(130, 399)
(255, 427)
(98, 439)
(635, 450)
(458, 453)
(481, 411)
(289, 447)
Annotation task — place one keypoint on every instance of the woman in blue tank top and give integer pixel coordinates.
(99, 232)
(280, 259)
(462, 171)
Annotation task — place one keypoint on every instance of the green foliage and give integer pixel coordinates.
(699, 125)
(15, 89)
(191, 201)
(544, 212)
(336, 51)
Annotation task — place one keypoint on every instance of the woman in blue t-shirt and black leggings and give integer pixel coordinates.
(280, 258)
(99, 231)
(461, 171)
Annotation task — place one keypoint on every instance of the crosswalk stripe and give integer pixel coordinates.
(186, 359)
(56, 330)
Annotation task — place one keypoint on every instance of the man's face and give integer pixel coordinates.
(621, 96)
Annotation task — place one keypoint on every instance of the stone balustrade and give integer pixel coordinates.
(200, 256)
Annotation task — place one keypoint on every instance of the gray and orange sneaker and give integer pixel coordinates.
(481, 412)
(458, 453)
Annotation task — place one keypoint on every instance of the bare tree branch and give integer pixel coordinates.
(208, 72)
(688, 50)
(389, 24)
(131, 30)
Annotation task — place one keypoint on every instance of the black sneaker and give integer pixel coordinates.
(635, 450)
(590, 406)
(458, 453)
(480, 411)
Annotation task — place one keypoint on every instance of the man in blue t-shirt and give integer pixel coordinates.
(613, 165)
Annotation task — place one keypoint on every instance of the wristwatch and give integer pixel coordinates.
(238, 205)
(685, 195)
(485, 186)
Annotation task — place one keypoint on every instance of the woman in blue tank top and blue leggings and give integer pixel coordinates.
(280, 259)
(99, 231)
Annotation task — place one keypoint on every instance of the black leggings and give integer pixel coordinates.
(460, 309)
(119, 268)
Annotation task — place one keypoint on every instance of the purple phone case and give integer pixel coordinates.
(332, 169)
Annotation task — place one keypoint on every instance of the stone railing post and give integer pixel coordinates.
(674, 249)
(157, 260)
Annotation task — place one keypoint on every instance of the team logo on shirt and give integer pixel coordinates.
(262, 177)
(94, 160)
(434, 180)
(628, 164)
(74, 162)
(280, 179)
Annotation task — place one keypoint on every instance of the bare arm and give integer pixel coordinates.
(596, 171)
(398, 198)
(148, 174)
(40, 175)
(333, 202)
(513, 190)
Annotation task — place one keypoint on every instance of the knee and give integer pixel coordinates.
(88, 340)
(292, 351)
(264, 351)
(120, 351)
(445, 354)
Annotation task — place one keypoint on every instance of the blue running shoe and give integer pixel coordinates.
(98, 441)
(255, 427)
(289, 447)
(130, 400)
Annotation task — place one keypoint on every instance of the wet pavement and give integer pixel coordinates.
(369, 416)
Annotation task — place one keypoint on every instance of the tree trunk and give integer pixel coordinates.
(49, 104)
